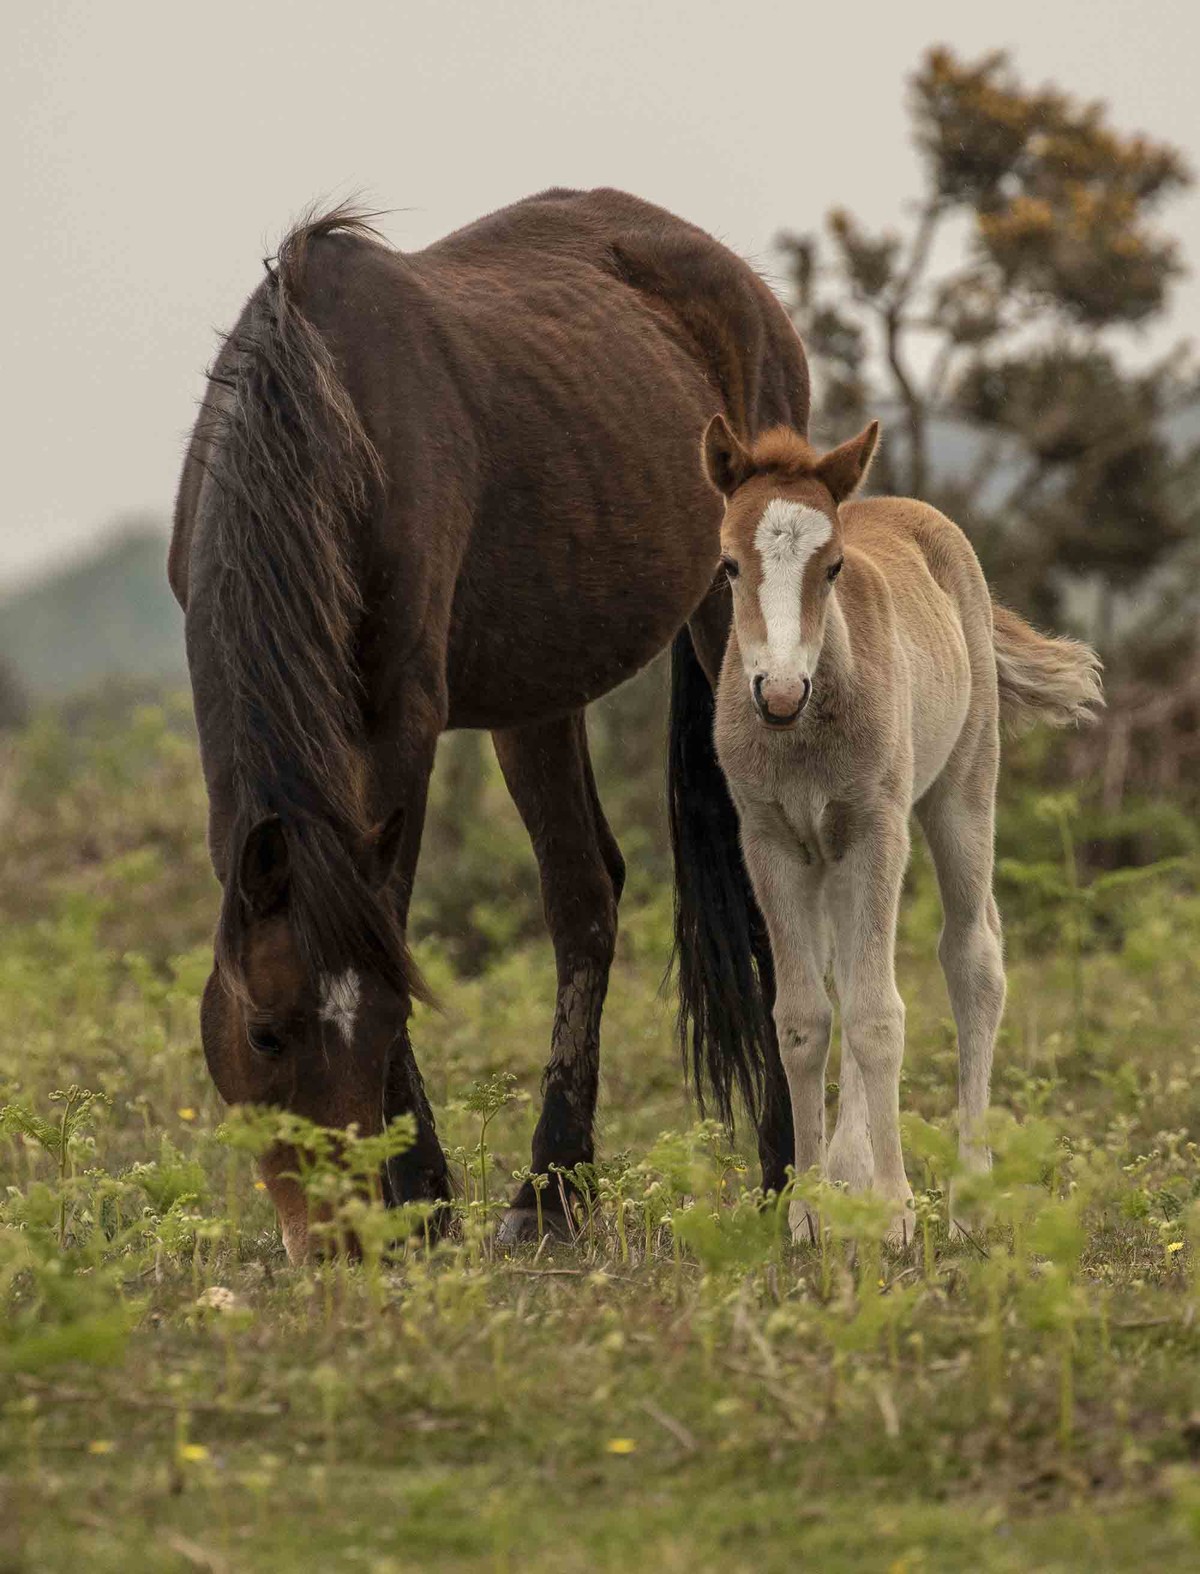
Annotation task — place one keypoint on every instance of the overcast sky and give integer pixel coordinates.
(152, 153)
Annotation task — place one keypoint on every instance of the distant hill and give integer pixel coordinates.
(111, 614)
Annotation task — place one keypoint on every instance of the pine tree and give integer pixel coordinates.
(1075, 483)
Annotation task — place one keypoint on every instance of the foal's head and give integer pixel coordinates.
(781, 547)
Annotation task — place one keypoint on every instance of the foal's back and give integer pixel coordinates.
(920, 620)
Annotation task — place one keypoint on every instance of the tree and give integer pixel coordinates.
(1073, 478)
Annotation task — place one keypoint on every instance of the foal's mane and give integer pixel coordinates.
(781, 451)
(295, 476)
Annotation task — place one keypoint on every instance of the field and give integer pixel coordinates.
(683, 1388)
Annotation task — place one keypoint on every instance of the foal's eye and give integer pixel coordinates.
(730, 566)
(834, 569)
(264, 1040)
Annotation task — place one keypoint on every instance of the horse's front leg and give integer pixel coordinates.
(403, 749)
(549, 774)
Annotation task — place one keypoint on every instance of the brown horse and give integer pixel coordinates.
(451, 489)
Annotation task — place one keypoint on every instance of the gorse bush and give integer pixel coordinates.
(680, 1377)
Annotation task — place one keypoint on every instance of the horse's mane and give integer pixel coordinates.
(295, 473)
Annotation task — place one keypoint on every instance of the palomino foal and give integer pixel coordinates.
(865, 675)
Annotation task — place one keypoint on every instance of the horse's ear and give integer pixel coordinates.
(844, 469)
(264, 868)
(726, 462)
(385, 853)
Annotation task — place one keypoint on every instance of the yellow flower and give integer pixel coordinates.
(186, 1113)
(621, 1445)
(1174, 1246)
(260, 1185)
(101, 1445)
(193, 1453)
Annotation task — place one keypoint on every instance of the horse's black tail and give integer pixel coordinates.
(722, 954)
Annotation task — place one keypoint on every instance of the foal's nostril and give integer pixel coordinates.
(756, 689)
(805, 692)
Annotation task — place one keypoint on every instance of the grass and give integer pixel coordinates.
(683, 1388)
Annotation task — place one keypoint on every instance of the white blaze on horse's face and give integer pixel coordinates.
(780, 645)
(339, 996)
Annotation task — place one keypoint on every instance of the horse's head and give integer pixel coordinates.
(307, 1005)
(781, 547)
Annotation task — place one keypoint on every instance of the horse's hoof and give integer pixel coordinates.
(519, 1227)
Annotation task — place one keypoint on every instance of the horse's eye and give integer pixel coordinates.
(729, 565)
(264, 1040)
(834, 569)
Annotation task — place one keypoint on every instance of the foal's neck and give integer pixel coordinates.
(833, 678)
(835, 665)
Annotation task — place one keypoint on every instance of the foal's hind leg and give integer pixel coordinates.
(549, 775)
(957, 816)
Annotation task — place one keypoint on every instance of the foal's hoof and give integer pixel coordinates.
(519, 1227)
(902, 1232)
(967, 1230)
(968, 1220)
(805, 1225)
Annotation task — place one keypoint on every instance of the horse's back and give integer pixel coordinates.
(588, 337)
(535, 386)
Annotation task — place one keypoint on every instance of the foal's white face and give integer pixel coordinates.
(781, 566)
(781, 546)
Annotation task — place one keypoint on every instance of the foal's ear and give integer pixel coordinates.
(726, 462)
(264, 868)
(385, 853)
(844, 469)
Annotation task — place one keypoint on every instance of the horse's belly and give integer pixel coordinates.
(562, 599)
(536, 647)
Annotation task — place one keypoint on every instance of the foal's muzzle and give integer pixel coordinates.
(779, 706)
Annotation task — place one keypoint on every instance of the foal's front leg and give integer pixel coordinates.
(787, 882)
(863, 899)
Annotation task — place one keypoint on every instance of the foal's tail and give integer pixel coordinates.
(721, 949)
(1042, 678)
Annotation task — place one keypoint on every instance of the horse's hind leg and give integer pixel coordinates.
(957, 816)
(549, 775)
